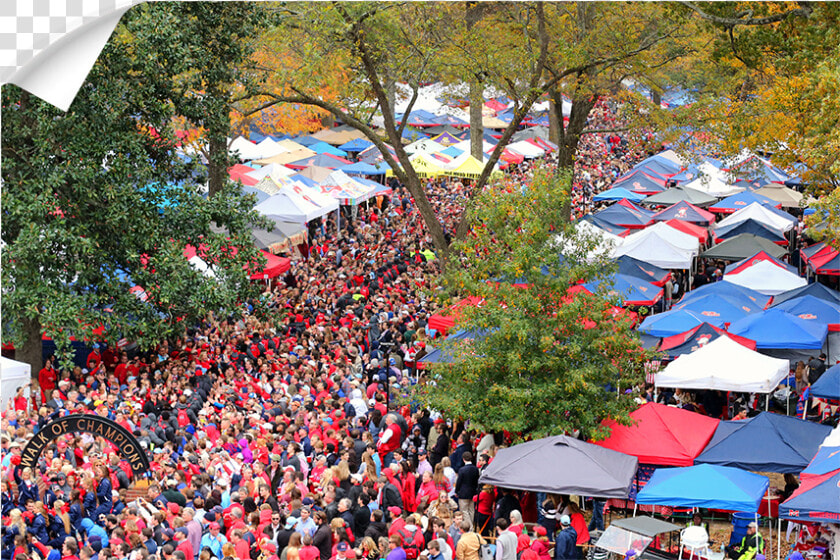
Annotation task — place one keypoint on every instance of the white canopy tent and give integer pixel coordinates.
(247, 150)
(766, 278)
(526, 149)
(675, 237)
(724, 365)
(425, 146)
(269, 148)
(273, 170)
(605, 242)
(296, 207)
(13, 375)
(759, 213)
(711, 183)
(658, 251)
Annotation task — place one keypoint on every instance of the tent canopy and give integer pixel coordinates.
(626, 215)
(632, 267)
(767, 278)
(733, 291)
(717, 308)
(686, 212)
(694, 339)
(741, 247)
(735, 202)
(775, 328)
(617, 193)
(765, 443)
(753, 227)
(631, 290)
(706, 486)
(643, 183)
(658, 251)
(724, 365)
(828, 385)
(587, 469)
(816, 499)
(815, 289)
(736, 267)
(13, 374)
(772, 218)
(810, 308)
(674, 322)
(678, 194)
(662, 435)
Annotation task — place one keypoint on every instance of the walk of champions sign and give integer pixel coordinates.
(124, 440)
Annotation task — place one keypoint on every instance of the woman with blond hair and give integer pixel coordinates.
(368, 550)
(443, 507)
(292, 551)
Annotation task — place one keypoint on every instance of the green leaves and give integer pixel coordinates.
(546, 361)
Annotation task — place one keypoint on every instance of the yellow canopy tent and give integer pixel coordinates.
(337, 137)
(425, 166)
(493, 122)
(469, 168)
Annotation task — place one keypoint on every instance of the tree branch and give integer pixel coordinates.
(805, 10)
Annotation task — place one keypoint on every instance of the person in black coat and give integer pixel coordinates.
(466, 487)
(389, 494)
(377, 528)
(361, 518)
(441, 447)
(322, 539)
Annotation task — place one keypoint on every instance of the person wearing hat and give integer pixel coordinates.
(565, 543)
(751, 544)
(214, 539)
(540, 544)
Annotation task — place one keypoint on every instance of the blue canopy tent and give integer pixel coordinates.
(817, 499)
(825, 461)
(814, 309)
(419, 117)
(356, 145)
(753, 227)
(686, 212)
(628, 215)
(820, 291)
(362, 168)
(765, 443)
(306, 140)
(674, 322)
(451, 120)
(606, 226)
(735, 202)
(446, 355)
(705, 486)
(688, 342)
(641, 182)
(686, 175)
(629, 266)
(728, 289)
(660, 165)
(617, 193)
(828, 385)
(304, 179)
(321, 160)
(777, 329)
(631, 290)
(719, 309)
(324, 148)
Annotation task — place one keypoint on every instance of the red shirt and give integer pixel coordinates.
(309, 553)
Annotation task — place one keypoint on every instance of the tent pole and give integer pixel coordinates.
(635, 505)
(779, 541)
(767, 402)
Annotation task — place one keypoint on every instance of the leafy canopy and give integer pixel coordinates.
(546, 360)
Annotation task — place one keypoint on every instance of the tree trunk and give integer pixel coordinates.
(476, 126)
(555, 116)
(569, 136)
(31, 352)
(217, 164)
(656, 98)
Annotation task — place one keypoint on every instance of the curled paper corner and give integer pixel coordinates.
(56, 73)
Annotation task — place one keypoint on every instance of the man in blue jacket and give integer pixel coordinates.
(564, 548)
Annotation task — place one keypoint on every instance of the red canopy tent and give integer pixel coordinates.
(239, 173)
(442, 323)
(275, 267)
(662, 435)
(701, 233)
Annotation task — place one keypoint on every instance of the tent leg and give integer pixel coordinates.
(779, 540)
(635, 505)
(767, 402)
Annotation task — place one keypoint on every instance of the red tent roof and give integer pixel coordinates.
(701, 233)
(443, 323)
(275, 267)
(662, 435)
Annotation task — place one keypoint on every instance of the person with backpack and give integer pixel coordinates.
(412, 538)
(469, 544)
(397, 552)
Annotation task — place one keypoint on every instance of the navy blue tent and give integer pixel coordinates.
(606, 226)
(686, 212)
(630, 289)
(828, 385)
(766, 443)
(674, 322)
(306, 140)
(753, 227)
(719, 309)
(660, 165)
(356, 145)
(641, 182)
(629, 266)
(778, 329)
(816, 499)
(625, 215)
(825, 461)
(741, 200)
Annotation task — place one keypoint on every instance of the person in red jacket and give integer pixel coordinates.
(47, 378)
(389, 440)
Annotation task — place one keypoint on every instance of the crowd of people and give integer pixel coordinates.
(283, 437)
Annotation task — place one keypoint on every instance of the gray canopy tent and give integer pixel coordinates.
(562, 465)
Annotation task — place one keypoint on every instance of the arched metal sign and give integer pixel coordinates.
(124, 440)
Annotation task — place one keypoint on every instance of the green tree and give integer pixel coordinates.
(197, 57)
(97, 199)
(549, 361)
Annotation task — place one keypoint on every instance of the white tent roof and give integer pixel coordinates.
(832, 439)
(268, 148)
(713, 182)
(424, 145)
(526, 149)
(247, 149)
(574, 246)
(296, 203)
(759, 213)
(464, 146)
(724, 365)
(13, 374)
(766, 278)
(273, 170)
(657, 251)
(675, 237)
(673, 156)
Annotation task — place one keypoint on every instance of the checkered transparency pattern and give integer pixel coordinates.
(27, 27)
